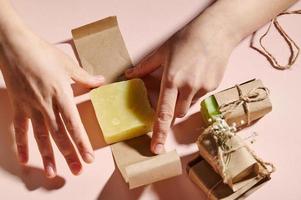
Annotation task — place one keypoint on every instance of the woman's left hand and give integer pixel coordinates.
(193, 62)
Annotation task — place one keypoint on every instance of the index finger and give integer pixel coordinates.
(164, 116)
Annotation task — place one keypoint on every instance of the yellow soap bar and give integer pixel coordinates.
(123, 110)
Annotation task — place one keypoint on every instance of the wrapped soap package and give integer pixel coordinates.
(239, 105)
(122, 108)
(226, 153)
(202, 174)
(229, 156)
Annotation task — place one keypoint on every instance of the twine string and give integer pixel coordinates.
(293, 47)
(253, 95)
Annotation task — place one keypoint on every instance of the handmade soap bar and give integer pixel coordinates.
(239, 105)
(123, 110)
(209, 109)
(201, 173)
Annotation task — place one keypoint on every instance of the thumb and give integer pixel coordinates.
(79, 75)
(147, 65)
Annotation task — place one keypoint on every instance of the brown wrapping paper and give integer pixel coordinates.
(102, 51)
(101, 48)
(241, 163)
(201, 173)
(239, 115)
(139, 166)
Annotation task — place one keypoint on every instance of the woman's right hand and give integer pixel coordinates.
(37, 76)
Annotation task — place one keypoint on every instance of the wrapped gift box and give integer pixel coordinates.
(202, 174)
(239, 105)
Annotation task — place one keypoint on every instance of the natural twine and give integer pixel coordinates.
(293, 47)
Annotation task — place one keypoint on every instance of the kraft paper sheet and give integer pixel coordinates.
(102, 51)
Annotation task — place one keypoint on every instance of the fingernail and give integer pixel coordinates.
(88, 157)
(159, 149)
(50, 171)
(99, 78)
(181, 115)
(76, 168)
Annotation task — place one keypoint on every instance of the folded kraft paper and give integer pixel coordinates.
(102, 51)
(139, 166)
(101, 48)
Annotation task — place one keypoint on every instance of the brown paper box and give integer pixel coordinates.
(241, 164)
(102, 51)
(256, 109)
(201, 173)
(139, 166)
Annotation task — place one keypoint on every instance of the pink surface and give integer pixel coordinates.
(144, 25)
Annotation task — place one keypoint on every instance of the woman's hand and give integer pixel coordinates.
(194, 61)
(38, 78)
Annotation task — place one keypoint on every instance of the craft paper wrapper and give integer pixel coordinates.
(102, 51)
(139, 166)
(241, 164)
(201, 173)
(239, 115)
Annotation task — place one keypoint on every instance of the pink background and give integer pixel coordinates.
(144, 25)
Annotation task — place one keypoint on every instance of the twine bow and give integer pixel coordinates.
(255, 95)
